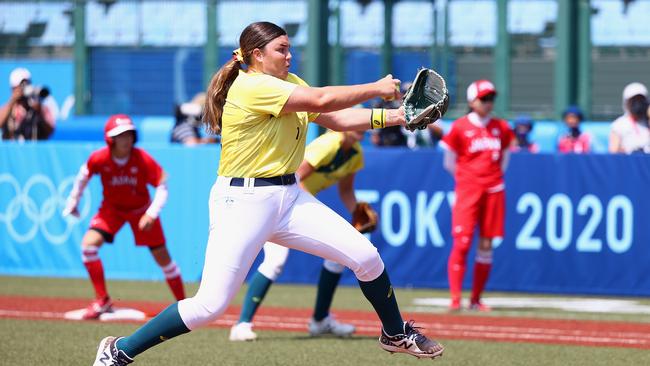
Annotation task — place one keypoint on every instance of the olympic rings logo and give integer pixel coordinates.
(37, 207)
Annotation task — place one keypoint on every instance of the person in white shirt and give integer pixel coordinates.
(629, 133)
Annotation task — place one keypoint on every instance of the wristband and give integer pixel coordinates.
(377, 118)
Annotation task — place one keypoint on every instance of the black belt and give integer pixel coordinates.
(280, 180)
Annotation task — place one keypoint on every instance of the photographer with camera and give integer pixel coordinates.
(24, 116)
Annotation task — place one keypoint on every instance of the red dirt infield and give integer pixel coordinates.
(443, 326)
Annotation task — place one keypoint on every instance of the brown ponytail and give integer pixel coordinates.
(255, 35)
(216, 95)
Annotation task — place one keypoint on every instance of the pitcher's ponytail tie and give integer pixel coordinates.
(237, 55)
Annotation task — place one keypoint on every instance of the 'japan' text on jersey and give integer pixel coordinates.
(479, 149)
(125, 187)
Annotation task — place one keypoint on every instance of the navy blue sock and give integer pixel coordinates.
(380, 294)
(166, 325)
(257, 289)
(327, 283)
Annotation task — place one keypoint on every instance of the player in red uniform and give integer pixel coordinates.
(476, 154)
(125, 172)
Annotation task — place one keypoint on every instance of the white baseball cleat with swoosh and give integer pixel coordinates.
(109, 355)
(411, 342)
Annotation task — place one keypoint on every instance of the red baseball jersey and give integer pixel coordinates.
(479, 149)
(125, 187)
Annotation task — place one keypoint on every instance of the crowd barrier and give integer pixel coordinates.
(152, 104)
(157, 129)
(575, 223)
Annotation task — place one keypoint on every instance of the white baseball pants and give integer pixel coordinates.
(275, 257)
(242, 219)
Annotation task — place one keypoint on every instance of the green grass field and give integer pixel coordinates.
(32, 342)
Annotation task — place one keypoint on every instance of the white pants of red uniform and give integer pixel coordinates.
(242, 219)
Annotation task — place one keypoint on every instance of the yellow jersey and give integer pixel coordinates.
(256, 141)
(330, 162)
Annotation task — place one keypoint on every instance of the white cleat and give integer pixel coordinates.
(109, 355)
(329, 325)
(242, 332)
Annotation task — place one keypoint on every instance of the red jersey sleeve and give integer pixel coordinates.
(153, 170)
(452, 140)
(95, 162)
(507, 136)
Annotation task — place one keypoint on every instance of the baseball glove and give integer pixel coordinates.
(426, 100)
(364, 218)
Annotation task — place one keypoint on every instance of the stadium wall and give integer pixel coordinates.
(575, 223)
(149, 81)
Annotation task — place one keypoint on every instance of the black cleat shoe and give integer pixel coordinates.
(411, 342)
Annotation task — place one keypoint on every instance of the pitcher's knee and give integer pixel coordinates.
(370, 266)
(196, 313)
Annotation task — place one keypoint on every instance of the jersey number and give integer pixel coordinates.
(297, 132)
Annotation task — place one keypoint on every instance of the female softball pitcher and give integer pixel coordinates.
(262, 112)
(333, 157)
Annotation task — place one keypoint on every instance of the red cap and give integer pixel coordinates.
(117, 124)
(479, 89)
